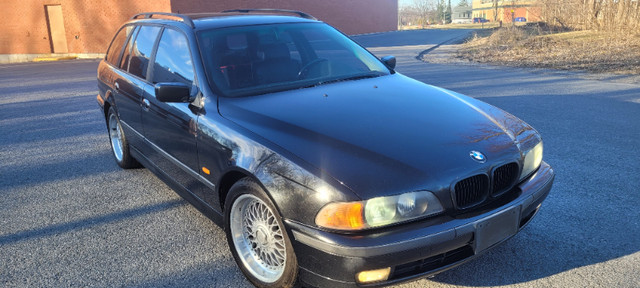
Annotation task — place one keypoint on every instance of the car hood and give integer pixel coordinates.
(384, 135)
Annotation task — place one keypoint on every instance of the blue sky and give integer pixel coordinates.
(404, 2)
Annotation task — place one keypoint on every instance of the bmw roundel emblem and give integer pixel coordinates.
(475, 155)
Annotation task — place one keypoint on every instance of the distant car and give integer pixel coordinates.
(461, 21)
(324, 165)
(520, 19)
(480, 20)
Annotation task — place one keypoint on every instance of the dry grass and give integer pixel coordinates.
(452, 26)
(534, 47)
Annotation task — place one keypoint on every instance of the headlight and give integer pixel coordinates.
(378, 211)
(532, 160)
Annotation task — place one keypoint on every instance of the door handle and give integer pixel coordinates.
(145, 104)
(117, 86)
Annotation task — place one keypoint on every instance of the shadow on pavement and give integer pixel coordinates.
(407, 37)
(88, 222)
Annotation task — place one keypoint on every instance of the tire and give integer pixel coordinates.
(118, 140)
(260, 238)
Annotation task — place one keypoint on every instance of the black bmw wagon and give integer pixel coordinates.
(324, 166)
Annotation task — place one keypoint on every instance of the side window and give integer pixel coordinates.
(173, 60)
(141, 50)
(113, 54)
(126, 55)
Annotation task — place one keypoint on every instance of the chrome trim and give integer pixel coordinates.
(173, 160)
(145, 104)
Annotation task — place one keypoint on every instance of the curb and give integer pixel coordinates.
(46, 57)
(49, 59)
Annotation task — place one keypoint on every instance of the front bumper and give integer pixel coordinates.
(418, 249)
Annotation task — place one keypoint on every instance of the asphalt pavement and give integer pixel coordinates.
(69, 216)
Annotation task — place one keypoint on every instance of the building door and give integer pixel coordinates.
(56, 29)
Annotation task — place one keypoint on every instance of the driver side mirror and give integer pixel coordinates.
(389, 61)
(173, 92)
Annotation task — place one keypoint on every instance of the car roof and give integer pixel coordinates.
(202, 21)
(244, 20)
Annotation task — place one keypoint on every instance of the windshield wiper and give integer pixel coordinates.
(355, 77)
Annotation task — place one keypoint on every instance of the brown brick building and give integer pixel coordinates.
(33, 27)
(507, 10)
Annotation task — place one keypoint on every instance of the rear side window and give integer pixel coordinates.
(141, 50)
(173, 60)
(113, 54)
(126, 55)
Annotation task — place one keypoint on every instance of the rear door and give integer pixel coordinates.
(109, 67)
(123, 88)
(127, 93)
(135, 60)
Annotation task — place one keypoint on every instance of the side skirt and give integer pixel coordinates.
(203, 207)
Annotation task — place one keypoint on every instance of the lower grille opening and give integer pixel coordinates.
(526, 219)
(432, 263)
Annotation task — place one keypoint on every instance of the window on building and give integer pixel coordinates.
(173, 60)
(141, 50)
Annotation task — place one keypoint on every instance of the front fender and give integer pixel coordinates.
(297, 193)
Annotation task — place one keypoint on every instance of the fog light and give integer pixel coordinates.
(373, 275)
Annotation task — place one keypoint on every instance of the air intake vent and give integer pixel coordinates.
(504, 177)
(471, 191)
(432, 263)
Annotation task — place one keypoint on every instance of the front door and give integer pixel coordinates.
(171, 127)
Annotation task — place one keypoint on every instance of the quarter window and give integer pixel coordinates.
(141, 50)
(113, 54)
(126, 55)
(173, 60)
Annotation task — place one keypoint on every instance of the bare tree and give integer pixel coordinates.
(423, 8)
(407, 16)
(495, 10)
(602, 15)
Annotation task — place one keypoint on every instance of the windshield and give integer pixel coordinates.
(260, 59)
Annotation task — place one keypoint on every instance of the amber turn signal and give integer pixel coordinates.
(342, 216)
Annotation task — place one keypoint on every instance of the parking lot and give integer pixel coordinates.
(69, 216)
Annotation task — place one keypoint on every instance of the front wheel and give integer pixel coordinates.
(257, 238)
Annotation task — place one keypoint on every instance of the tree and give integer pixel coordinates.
(602, 15)
(448, 13)
(463, 3)
(441, 10)
(423, 8)
(495, 10)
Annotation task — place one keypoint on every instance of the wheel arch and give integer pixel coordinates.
(226, 182)
(108, 102)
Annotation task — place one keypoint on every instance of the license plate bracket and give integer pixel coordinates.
(496, 228)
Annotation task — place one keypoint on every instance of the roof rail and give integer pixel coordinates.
(149, 15)
(299, 13)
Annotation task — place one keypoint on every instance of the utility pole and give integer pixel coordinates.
(513, 7)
